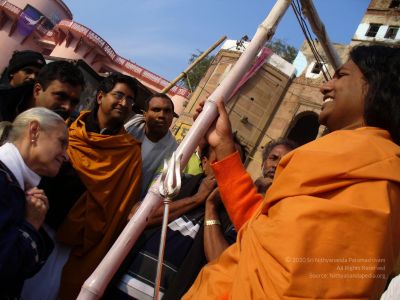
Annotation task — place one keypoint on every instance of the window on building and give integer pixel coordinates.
(373, 30)
(391, 32)
(394, 4)
(36, 16)
(317, 68)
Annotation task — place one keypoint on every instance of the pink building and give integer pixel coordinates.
(46, 26)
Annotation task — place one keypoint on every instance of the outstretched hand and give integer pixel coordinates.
(219, 135)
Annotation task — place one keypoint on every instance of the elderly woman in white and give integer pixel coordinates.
(35, 145)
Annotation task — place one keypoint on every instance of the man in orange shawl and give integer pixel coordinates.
(329, 226)
(108, 162)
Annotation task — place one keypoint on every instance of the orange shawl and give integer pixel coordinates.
(110, 168)
(328, 228)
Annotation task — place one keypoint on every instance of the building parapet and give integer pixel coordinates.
(11, 8)
(130, 67)
(126, 65)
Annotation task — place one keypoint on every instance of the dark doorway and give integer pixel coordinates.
(304, 128)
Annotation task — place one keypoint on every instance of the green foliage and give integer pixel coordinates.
(197, 73)
(281, 48)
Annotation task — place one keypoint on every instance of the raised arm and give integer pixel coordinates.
(237, 189)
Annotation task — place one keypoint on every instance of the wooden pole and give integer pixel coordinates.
(318, 27)
(193, 64)
(94, 286)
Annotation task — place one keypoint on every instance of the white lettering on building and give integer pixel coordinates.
(133, 67)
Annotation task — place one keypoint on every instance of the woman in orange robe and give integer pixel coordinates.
(329, 226)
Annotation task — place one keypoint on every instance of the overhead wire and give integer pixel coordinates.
(319, 59)
(314, 47)
(307, 34)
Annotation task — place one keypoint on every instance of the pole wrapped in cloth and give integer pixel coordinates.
(328, 228)
(110, 168)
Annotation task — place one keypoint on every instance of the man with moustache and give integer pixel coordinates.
(22, 68)
(58, 87)
(271, 156)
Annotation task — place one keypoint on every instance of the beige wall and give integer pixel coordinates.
(251, 110)
(67, 52)
(379, 4)
(11, 39)
(13, 42)
(378, 12)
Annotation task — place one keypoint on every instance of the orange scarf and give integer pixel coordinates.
(110, 168)
(328, 228)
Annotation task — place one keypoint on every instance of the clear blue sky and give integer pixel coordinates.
(160, 35)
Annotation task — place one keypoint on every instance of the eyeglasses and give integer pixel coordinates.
(121, 96)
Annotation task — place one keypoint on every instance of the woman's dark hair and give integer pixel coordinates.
(380, 66)
(108, 83)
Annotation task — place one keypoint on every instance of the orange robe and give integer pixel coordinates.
(110, 168)
(328, 228)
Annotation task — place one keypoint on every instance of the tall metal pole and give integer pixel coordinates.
(193, 64)
(169, 188)
(318, 27)
(94, 286)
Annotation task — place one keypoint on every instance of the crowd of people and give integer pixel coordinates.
(321, 222)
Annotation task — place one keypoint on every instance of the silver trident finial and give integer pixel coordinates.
(170, 185)
(171, 177)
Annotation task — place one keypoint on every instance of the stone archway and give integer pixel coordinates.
(303, 128)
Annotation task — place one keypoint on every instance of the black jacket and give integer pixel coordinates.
(14, 100)
(23, 249)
